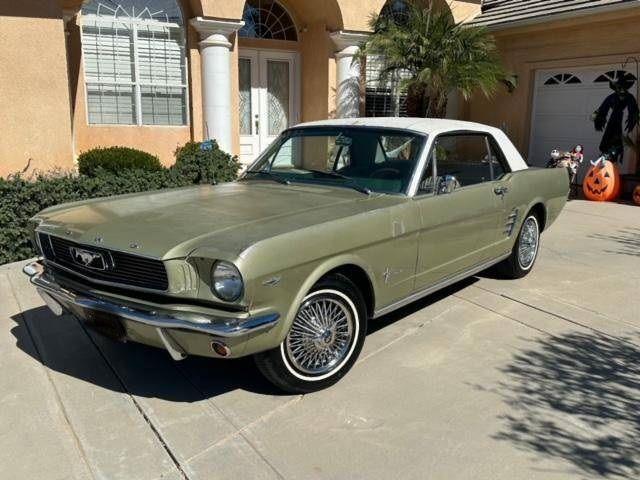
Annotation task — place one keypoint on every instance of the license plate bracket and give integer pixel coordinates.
(104, 323)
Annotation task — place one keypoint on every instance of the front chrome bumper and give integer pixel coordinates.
(58, 297)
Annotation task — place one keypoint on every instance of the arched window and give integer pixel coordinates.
(267, 19)
(134, 62)
(396, 11)
(563, 79)
(611, 76)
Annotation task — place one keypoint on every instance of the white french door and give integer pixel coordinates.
(269, 98)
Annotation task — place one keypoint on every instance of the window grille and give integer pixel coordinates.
(563, 79)
(384, 97)
(134, 63)
(267, 19)
(617, 75)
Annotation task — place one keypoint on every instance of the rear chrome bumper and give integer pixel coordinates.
(59, 298)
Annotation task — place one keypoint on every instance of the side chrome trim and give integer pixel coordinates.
(169, 319)
(456, 277)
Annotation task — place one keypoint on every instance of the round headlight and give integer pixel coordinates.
(226, 281)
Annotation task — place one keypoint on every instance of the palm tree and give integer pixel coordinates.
(436, 57)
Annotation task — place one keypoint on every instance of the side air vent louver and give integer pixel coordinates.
(512, 219)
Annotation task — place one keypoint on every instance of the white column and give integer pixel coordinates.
(347, 72)
(215, 59)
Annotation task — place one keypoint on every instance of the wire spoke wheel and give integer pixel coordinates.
(528, 245)
(321, 335)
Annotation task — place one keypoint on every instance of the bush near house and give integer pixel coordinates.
(22, 198)
(205, 162)
(116, 159)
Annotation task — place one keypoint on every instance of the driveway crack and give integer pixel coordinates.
(137, 405)
(56, 393)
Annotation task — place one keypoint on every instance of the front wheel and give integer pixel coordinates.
(525, 250)
(324, 341)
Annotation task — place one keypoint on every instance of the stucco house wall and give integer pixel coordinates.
(35, 119)
(43, 115)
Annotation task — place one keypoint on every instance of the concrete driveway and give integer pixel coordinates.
(492, 379)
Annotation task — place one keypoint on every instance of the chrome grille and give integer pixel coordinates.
(127, 269)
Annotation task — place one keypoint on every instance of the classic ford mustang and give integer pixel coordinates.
(336, 224)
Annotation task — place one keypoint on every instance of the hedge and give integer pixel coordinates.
(116, 159)
(21, 198)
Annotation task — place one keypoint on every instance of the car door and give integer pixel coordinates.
(505, 198)
(458, 208)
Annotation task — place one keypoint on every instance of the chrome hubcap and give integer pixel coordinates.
(528, 246)
(320, 335)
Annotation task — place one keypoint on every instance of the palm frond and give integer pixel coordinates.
(439, 55)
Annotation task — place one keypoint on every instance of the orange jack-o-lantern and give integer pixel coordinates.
(636, 195)
(602, 183)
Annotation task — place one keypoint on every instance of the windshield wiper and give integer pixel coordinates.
(350, 184)
(270, 176)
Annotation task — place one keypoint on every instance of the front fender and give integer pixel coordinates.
(287, 295)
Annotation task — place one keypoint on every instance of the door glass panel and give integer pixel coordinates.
(277, 96)
(464, 157)
(244, 74)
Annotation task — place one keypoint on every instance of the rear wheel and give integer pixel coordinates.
(324, 341)
(525, 251)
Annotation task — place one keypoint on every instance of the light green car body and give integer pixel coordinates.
(284, 238)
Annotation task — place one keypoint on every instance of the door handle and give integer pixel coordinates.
(500, 190)
(257, 123)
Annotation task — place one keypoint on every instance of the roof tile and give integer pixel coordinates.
(502, 12)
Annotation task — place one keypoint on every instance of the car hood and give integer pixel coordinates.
(228, 217)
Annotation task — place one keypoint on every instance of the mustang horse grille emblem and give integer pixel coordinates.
(89, 259)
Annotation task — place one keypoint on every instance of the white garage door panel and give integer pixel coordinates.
(554, 101)
(572, 126)
(563, 112)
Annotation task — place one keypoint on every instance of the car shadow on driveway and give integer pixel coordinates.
(576, 397)
(66, 346)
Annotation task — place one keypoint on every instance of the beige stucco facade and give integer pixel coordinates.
(42, 89)
(35, 114)
(44, 117)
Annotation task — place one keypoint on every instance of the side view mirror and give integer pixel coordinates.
(447, 184)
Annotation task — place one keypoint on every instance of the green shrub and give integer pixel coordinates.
(116, 160)
(188, 148)
(205, 163)
(21, 198)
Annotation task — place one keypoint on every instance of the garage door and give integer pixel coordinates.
(564, 102)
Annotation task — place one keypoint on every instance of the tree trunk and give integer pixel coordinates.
(437, 106)
(416, 101)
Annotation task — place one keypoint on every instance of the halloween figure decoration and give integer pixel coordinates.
(602, 182)
(612, 124)
(571, 161)
(636, 195)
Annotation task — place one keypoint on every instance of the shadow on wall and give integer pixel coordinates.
(627, 240)
(576, 397)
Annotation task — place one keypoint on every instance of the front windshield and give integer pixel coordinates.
(379, 160)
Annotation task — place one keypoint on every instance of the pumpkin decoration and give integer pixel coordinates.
(602, 183)
(636, 195)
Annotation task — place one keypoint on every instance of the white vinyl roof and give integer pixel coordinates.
(431, 127)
